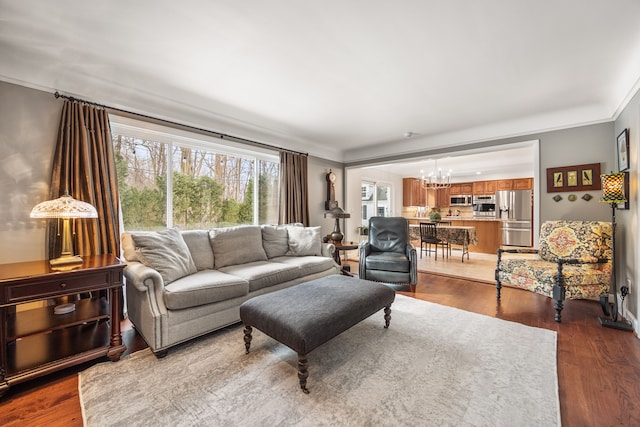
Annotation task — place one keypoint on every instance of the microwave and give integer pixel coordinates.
(464, 200)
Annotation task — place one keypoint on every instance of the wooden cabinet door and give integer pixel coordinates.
(523, 184)
(490, 187)
(443, 198)
(407, 192)
(505, 184)
(478, 188)
(455, 189)
(466, 188)
(419, 193)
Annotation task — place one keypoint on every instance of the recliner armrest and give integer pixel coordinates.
(364, 251)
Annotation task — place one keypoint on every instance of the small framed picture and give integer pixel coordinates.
(572, 178)
(587, 177)
(623, 151)
(558, 181)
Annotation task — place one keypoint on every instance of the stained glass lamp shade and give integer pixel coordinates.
(65, 208)
(613, 188)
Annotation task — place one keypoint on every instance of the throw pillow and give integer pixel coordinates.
(237, 245)
(275, 240)
(304, 241)
(166, 252)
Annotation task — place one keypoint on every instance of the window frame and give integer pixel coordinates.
(175, 137)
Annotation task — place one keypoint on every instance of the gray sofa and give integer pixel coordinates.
(183, 284)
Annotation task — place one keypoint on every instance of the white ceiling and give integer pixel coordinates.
(340, 79)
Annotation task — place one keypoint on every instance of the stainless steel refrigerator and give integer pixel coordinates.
(515, 210)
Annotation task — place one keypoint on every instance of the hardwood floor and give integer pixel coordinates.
(598, 368)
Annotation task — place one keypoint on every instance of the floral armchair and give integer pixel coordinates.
(573, 262)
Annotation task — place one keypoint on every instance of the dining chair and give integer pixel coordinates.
(428, 237)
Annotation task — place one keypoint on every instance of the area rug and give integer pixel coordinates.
(435, 365)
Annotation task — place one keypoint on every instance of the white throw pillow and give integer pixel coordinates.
(166, 252)
(304, 241)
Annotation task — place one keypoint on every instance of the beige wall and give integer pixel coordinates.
(628, 220)
(29, 126)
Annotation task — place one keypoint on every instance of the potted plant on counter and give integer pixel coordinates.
(434, 215)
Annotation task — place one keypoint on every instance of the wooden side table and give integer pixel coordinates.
(347, 246)
(35, 342)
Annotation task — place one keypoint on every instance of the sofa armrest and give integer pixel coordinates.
(148, 284)
(514, 251)
(364, 250)
(328, 250)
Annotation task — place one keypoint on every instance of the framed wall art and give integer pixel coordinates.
(574, 178)
(623, 150)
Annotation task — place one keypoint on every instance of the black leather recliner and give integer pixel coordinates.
(388, 255)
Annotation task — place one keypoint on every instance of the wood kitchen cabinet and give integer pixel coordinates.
(463, 188)
(466, 188)
(487, 232)
(523, 184)
(481, 188)
(442, 198)
(505, 184)
(36, 341)
(412, 192)
(515, 184)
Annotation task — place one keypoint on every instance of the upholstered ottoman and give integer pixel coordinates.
(309, 314)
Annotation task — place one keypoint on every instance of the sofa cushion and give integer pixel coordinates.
(304, 241)
(200, 248)
(262, 274)
(237, 245)
(307, 264)
(166, 252)
(203, 287)
(275, 240)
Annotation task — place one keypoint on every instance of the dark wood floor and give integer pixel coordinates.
(598, 368)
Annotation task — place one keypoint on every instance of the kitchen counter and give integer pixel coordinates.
(468, 218)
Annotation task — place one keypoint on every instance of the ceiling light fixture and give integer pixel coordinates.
(436, 179)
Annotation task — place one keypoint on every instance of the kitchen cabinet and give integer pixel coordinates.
(442, 198)
(463, 188)
(481, 188)
(412, 192)
(515, 184)
(523, 184)
(490, 187)
(488, 233)
(37, 341)
(505, 184)
(438, 198)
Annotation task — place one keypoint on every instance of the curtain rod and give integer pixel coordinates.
(217, 134)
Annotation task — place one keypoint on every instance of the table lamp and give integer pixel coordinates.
(613, 193)
(337, 213)
(65, 208)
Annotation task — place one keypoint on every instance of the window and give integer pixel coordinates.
(212, 182)
(375, 199)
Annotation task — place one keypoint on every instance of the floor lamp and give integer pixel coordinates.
(613, 193)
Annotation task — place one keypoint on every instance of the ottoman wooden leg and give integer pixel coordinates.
(387, 316)
(247, 338)
(303, 373)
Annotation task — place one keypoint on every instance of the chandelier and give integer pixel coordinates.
(436, 179)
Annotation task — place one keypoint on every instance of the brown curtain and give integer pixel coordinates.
(294, 200)
(84, 165)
